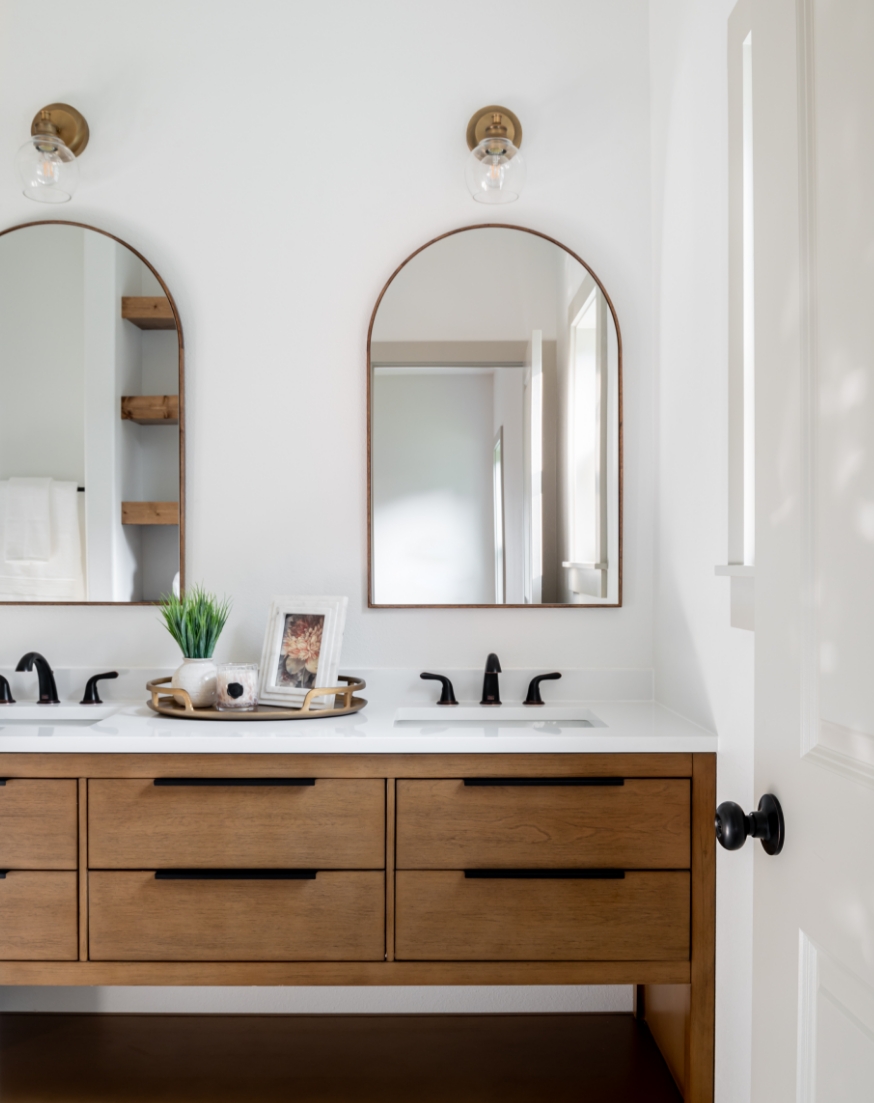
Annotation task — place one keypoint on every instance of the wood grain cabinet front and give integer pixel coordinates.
(642, 823)
(335, 823)
(38, 824)
(447, 916)
(38, 916)
(335, 916)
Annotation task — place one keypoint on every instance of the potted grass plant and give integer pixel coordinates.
(195, 621)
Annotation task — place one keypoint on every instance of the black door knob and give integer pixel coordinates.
(733, 826)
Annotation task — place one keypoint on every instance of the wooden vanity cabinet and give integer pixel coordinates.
(369, 869)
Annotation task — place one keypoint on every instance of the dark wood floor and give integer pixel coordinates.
(330, 1058)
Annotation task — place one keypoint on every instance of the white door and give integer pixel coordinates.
(813, 135)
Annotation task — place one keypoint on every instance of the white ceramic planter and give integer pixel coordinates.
(197, 678)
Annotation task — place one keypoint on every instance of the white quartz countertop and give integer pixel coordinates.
(388, 725)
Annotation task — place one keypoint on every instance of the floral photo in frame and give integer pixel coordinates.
(301, 651)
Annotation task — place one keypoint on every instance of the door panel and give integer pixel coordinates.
(813, 97)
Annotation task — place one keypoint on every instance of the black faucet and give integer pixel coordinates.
(491, 689)
(48, 691)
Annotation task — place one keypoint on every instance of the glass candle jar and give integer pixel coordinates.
(236, 687)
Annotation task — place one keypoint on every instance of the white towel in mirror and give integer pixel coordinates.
(28, 521)
(59, 577)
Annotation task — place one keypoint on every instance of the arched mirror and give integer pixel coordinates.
(91, 420)
(495, 427)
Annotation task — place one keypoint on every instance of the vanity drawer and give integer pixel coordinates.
(38, 916)
(337, 916)
(333, 824)
(639, 824)
(445, 916)
(38, 824)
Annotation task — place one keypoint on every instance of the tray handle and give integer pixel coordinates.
(175, 696)
(346, 692)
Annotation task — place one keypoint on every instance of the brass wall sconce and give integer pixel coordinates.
(47, 162)
(495, 170)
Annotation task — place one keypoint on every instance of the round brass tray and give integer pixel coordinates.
(169, 706)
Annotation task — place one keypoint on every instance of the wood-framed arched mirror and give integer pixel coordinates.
(92, 421)
(494, 373)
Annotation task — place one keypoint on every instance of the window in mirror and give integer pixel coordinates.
(90, 420)
(494, 432)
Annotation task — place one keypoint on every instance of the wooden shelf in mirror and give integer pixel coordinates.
(151, 409)
(150, 513)
(148, 311)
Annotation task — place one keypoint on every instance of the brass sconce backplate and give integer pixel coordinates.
(69, 123)
(485, 118)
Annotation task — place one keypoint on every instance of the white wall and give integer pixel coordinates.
(267, 159)
(704, 668)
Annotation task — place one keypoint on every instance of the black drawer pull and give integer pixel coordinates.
(544, 781)
(235, 874)
(545, 874)
(3, 780)
(3, 873)
(234, 781)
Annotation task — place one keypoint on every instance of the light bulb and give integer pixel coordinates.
(495, 171)
(48, 169)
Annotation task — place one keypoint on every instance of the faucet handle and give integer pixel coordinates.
(6, 697)
(447, 696)
(92, 697)
(534, 697)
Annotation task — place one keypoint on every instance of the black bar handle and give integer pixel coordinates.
(534, 697)
(6, 697)
(233, 781)
(447, 694)
(235, 874)
(544, 781)
(545, 874)
(3, 873)
(92, 697)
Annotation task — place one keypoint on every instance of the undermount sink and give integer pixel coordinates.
(568, 715)
(68, 714)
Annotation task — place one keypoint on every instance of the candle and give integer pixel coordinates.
(236, 687)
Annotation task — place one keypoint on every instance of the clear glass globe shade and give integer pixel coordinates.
(495, 171)
(48, 169)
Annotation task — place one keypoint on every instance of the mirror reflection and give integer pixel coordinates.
(494, 428)
(90, 372)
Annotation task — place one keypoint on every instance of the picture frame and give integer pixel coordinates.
(302, 646)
